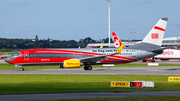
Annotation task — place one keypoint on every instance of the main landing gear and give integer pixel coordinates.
(87, 67)
(22, 69)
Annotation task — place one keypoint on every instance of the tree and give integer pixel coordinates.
(36, 38)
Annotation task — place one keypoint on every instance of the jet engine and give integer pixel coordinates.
(71, 64)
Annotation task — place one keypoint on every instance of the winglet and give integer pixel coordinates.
(101, 46)
(120, 49)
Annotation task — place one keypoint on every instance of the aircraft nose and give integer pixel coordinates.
(8, 59)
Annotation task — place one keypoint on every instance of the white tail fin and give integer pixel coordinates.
(117, 41)
(155, 36)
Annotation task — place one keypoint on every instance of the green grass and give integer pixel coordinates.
(5, 66)
(167, 98)
(30, 84)
(7, 53)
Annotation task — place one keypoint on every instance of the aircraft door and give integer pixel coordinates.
(26, 55)
(138, 53)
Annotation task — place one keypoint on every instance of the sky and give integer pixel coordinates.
(78, 19)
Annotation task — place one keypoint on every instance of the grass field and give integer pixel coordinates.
(5, 66)
(29, 84)
(7, 53)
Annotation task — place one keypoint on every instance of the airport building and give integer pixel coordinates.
(173, 42)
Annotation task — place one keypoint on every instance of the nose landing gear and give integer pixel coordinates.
(22, 69)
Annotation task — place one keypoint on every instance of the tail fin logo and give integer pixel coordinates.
(117, 44)
(155, 36)
(117, 41)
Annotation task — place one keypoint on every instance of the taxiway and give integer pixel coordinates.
(86, 95)
(175, 70)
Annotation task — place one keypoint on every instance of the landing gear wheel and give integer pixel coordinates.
(87, 68)
(22, 69)
(60, 66)
(153, 59)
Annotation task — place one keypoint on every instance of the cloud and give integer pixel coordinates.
(19, 4)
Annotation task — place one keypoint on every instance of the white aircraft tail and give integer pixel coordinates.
(117, 41)
(155, 36)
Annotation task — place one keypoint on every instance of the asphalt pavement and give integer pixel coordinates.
(85, 95)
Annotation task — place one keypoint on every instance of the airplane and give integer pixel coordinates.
(166, 55)
(76, 57)
(117, 41)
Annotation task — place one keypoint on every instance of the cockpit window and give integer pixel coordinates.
(16, 54)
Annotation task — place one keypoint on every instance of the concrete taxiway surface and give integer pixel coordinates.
(102, 71)
(85, 95)
(2, 61)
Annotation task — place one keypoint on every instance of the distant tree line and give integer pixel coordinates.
(19, 44)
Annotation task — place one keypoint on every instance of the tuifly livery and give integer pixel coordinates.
(76, 57)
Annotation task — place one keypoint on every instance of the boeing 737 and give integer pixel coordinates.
(74, 58)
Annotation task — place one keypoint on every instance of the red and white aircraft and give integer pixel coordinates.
(167, 54)
(117, 41)
(74, 58)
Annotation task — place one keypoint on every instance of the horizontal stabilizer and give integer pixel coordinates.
(158, 50)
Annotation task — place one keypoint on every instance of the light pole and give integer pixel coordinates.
(109, 20)
(177, 36)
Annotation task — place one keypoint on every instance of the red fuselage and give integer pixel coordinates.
(57, 56)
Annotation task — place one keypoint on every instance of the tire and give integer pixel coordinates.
(89, 68)
(85, 68)
(22, 69)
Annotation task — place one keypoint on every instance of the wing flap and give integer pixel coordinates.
(98, 58)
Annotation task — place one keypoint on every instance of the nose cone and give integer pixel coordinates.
(9, 59)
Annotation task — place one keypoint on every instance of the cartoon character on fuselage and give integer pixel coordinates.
(74, 58)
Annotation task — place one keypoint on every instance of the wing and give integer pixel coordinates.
(98, 58)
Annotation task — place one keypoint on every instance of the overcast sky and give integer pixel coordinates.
(77, 19)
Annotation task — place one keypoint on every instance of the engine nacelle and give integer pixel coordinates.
(71, 64)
